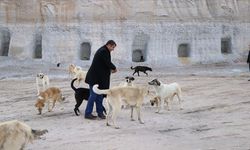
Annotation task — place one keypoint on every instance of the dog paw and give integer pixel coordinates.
(141, 122)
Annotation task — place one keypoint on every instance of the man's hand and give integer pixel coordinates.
(114, 71)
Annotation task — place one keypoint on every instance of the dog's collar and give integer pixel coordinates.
(40, 97)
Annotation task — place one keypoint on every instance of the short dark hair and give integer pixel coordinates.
(111, 42)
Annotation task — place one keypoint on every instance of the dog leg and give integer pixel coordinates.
(109, 113)
(146, 73)
(116, 110)
(161, 105)
(134, 72)
(131, 116)
(49, 108)
(78, 104)
(37, 87)
(168, 102)
(138, 108)
(179, 99)
(47, 83)
(44, 82)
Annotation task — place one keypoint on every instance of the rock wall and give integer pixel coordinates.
(154, 32)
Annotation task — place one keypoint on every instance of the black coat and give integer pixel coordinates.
(100, 69)
(248, 58)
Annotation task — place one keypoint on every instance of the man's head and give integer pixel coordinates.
(111, 45)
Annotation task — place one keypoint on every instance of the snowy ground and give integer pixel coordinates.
(216, 114)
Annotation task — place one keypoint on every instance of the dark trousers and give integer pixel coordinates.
(94, 98)
(249, 66)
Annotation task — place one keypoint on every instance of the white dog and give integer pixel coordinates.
(42, 79)
(165, 92)
(14, 135)
(77, 72)
(133, 96)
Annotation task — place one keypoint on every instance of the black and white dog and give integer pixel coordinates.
(80, 95)
(128, 81)
(141, 69)
(165, 93)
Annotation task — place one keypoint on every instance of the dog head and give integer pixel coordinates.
(129, 79)
(39, 104)
(155, 100)
(71, 68)
(155, 82)
(37, 133)
(40, 75)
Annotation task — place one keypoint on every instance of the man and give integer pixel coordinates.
(99, 73)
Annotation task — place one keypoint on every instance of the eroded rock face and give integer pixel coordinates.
(156, 32)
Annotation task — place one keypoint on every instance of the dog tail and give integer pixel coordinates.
(72, 84)
(98, 91)
(132, 68)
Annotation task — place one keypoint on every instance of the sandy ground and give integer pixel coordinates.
(216, 114)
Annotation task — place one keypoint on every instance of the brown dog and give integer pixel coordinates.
(51, 95)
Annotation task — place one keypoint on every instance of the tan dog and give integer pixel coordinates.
(14, 135)
(42, 79)
(77, 72)
(51, 95)
(155, 100)
(132, 95)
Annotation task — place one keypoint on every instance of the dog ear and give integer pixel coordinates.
(126, 77)
(132, 78)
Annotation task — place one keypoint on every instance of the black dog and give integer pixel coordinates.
(142, 69)
(80, 95)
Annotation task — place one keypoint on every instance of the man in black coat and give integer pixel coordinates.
(99, 73)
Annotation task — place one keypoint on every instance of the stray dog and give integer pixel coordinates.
(43, 79)
(51, 95)
(156, 101)
(15, 135)
(128, 81)
(80, 95)
(77, 72)
(142, 69)
(165, 92)
(132, 95)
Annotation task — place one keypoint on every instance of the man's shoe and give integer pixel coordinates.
(91, 117)
(102, 116)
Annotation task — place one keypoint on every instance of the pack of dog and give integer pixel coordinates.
(80, 95)
(132, 95)
(14, 135)
(143, 69)
(51, 95)
(165, 94)
(42, 79)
